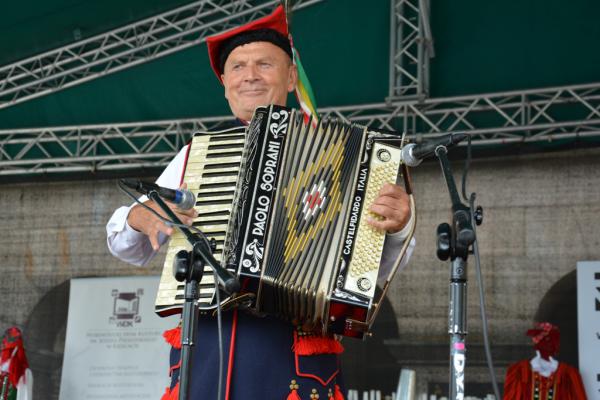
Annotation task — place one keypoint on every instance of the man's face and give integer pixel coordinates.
(257, 74)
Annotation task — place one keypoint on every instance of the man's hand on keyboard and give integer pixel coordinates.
(144, 221)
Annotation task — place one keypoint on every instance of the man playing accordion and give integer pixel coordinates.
(263, 358)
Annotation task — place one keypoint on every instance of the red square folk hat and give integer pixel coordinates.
(271, 28)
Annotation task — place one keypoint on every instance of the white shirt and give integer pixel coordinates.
(134, 247)
(543, 367)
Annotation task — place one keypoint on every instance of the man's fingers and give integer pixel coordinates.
(391, 202)
(395, 213)
(187, 220)
(187, 216)
(390, 225)
(160, 226)
(384, 225)
(154, 241)
(392, 190)
(393, 206)
(390, 208)
(191, 213)
(384, 211)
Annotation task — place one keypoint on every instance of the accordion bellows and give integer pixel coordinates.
(287, 203)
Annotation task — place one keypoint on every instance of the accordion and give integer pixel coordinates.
(286, 203)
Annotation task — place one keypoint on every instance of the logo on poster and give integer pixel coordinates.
(126, 306)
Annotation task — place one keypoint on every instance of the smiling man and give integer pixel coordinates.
(267, 358)
(255, 74)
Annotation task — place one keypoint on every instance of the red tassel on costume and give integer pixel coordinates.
(293, 391)
(293, 395)
(338, 393)
(171, 394)
(307, 345)
(173, 337)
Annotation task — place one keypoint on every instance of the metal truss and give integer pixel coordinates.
(126, 47)
(531, 116)
(527, 116)
(411, 47)
(93, 148)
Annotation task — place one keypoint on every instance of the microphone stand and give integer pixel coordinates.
(189, 267)
(453, 241)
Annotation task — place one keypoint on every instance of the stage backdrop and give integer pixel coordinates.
(114, 347)
(588, 315)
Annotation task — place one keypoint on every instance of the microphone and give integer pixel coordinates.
(185, 200)
(182, 198)
(413, 154)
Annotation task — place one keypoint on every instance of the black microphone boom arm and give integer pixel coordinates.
(414, 153)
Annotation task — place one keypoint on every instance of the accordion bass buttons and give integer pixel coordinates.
(366, 256)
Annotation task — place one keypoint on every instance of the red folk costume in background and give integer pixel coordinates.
(543, 377)
(16, 380)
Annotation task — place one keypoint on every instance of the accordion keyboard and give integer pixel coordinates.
(211, 174)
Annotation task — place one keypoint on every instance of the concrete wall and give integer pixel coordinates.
(541, 214)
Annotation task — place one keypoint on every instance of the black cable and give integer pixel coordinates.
(220, 336)
(486, 342)
(482, 311)
(466, 170)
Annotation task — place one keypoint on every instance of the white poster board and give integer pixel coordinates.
(114, 347)
(588, 317)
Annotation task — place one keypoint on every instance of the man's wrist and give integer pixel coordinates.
(402, 234)
(132, 217)
(132, 232)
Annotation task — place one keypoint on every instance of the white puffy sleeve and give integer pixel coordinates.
(126, 243)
